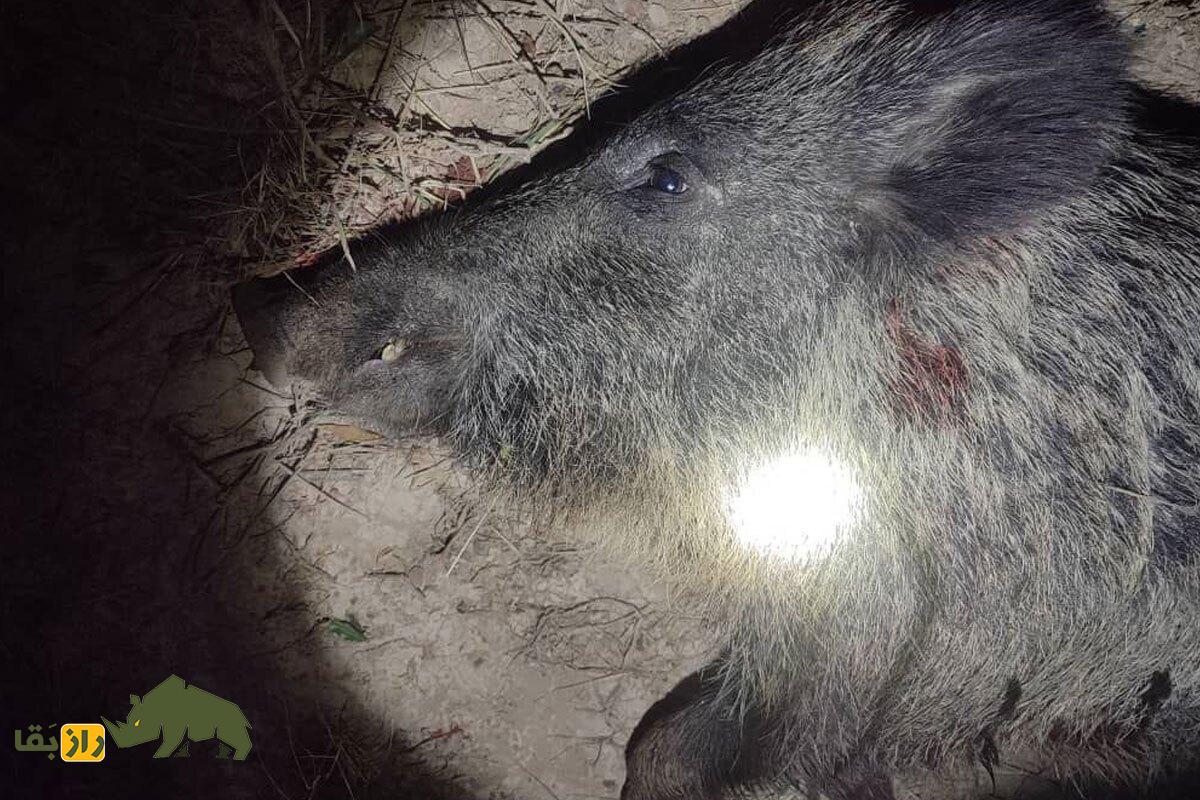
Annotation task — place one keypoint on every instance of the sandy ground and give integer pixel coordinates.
(513, 654)
(388, 633)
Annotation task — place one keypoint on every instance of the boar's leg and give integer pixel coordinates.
(694, 743)
(700, 742)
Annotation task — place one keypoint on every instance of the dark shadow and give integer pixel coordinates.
(123, 561)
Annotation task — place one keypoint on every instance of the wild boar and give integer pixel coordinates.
(882, 334)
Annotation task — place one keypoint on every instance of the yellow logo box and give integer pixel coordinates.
(81, 742)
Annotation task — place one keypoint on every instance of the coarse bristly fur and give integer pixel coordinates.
(949, 244)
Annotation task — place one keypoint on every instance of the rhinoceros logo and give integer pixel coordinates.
(180, 714)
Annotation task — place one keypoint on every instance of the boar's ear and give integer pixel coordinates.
(1018, 111)
(134, 700)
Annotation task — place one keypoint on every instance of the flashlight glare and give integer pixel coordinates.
(794, 507)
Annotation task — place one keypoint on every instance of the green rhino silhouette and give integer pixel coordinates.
(178, 711)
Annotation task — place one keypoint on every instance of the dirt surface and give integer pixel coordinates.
(388, 632)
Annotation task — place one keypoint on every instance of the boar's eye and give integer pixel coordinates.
(667, 180)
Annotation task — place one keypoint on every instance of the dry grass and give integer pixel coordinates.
(384, 110)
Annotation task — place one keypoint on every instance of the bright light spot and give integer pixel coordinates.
(796, 506)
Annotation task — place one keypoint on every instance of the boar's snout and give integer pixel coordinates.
(259, 305)
(381, 341)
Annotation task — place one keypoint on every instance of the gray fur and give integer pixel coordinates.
(884, 192)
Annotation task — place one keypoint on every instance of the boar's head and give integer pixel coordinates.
(723, 277)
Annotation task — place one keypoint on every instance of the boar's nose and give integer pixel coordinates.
(259, 304)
